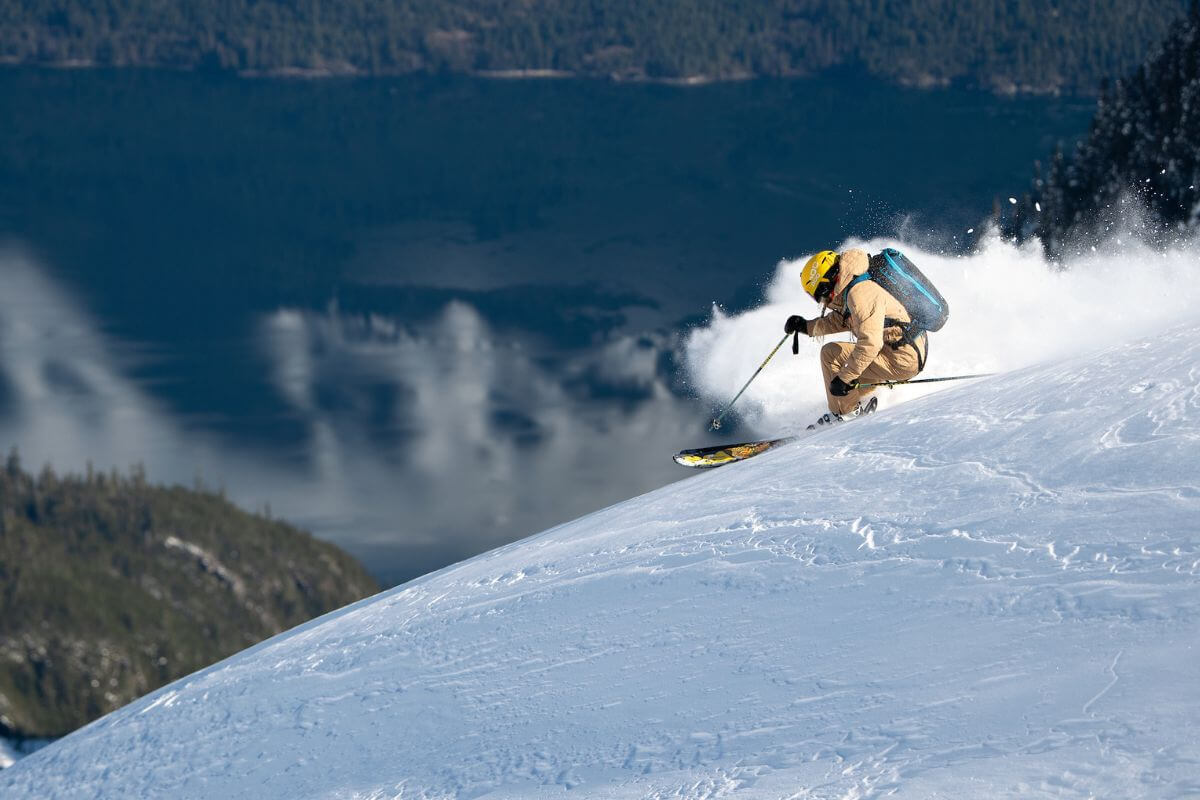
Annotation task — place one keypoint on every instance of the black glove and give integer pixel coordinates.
(796, 324)
(839, 388)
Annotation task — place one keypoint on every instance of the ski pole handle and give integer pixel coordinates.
(716, 423)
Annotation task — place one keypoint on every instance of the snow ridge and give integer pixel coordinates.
(993, 591)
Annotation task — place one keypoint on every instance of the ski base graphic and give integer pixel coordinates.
(722, 454)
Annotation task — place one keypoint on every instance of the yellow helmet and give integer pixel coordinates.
(815, 276)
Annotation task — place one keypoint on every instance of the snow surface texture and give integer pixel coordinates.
(1009, 308)
(13, 751)
(993, 591)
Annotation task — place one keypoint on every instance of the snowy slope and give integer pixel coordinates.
(993, 591)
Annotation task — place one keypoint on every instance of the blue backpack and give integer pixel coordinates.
(900, 278)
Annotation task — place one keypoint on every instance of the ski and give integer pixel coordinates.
(722, 454)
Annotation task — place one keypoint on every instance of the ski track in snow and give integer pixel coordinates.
(988, 592)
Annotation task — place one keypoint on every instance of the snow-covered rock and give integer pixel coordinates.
(993, 591)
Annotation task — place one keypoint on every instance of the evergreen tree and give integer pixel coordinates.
(111, 587)
(1040, 45)
(1142, 151)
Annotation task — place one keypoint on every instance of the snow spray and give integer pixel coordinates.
(1011, 308)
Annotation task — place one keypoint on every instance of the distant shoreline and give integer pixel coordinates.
(1029, 49)
(999, 87)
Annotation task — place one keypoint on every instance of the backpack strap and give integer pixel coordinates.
(857, 280)
(909, 333)
(846, 293)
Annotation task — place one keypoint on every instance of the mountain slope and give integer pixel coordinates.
(988, 592)
(111, 587)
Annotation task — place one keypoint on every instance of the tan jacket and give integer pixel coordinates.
(863, 313)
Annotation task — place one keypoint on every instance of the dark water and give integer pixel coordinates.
(425, 317)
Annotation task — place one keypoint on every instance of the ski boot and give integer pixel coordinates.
(859, 410)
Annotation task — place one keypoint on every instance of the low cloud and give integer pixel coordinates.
(418, 443)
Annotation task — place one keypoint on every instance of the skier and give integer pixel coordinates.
(887, 345)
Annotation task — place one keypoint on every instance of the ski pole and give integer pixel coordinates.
(716, 423)
(890, 384)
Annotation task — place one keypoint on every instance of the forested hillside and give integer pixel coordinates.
(1005, 45)
(111, 587)
(1139, 164)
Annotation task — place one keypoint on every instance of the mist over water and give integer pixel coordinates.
(1010, 307)
(453, 436)
(417, 444)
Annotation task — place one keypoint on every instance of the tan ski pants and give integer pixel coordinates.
(892, 364)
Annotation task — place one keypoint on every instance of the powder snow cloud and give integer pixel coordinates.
(1010, 308)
